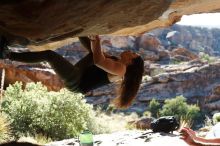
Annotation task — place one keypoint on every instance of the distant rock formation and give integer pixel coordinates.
(27, 74)
(195, 39)
(168, 72)
(198, 82)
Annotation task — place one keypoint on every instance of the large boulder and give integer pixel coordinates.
(39, 22)
(128, 138)
(26, 74)
(195, 39)
(149, 42)
(183, 54)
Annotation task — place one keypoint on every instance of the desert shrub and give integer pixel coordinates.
(206, 57)
(216, 118)
(36, 139)
(57, 115)
(208, 122)
(180, 109)
(5, 133)
(147, 114)
(112, 122)
(154, 107)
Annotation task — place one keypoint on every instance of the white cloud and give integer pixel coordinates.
(203, 20)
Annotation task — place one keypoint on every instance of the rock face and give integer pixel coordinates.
(194, 82)
(40, 21)
(199, 83)
(128, 138)
(26, 74)
(195, 39)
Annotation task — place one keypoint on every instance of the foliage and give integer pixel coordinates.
(36, 139)
(156, 71)
(147, 114)
(57, 115)
(131, 126)
(112, 122)
(41, 139)
(180, 109)
(154, 107)
(206, 57)
(216, 118)
(5, 133)
(176, 61)
(208, 122)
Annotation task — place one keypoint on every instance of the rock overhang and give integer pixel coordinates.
(47, 24)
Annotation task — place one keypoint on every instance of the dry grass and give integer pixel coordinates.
(115, 122)
(5, 132)
(37, 139)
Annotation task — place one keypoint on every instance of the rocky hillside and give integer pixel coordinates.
(196, 39)
(170, 69)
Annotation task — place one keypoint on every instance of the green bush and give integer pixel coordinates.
(57, 115)
(180, 109)
(154, 107)
(216, 118)
(207, 58)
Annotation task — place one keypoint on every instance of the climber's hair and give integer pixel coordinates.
(131, 83)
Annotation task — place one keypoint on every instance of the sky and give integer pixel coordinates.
(210, 20)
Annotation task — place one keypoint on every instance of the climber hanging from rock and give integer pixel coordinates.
(94, 70)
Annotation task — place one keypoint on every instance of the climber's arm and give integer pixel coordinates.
(109, 65)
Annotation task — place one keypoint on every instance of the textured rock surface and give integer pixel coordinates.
(194, 83)
(195, 39)
(199, 83)
(26, 74)
(128, 138)
(42, 21)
